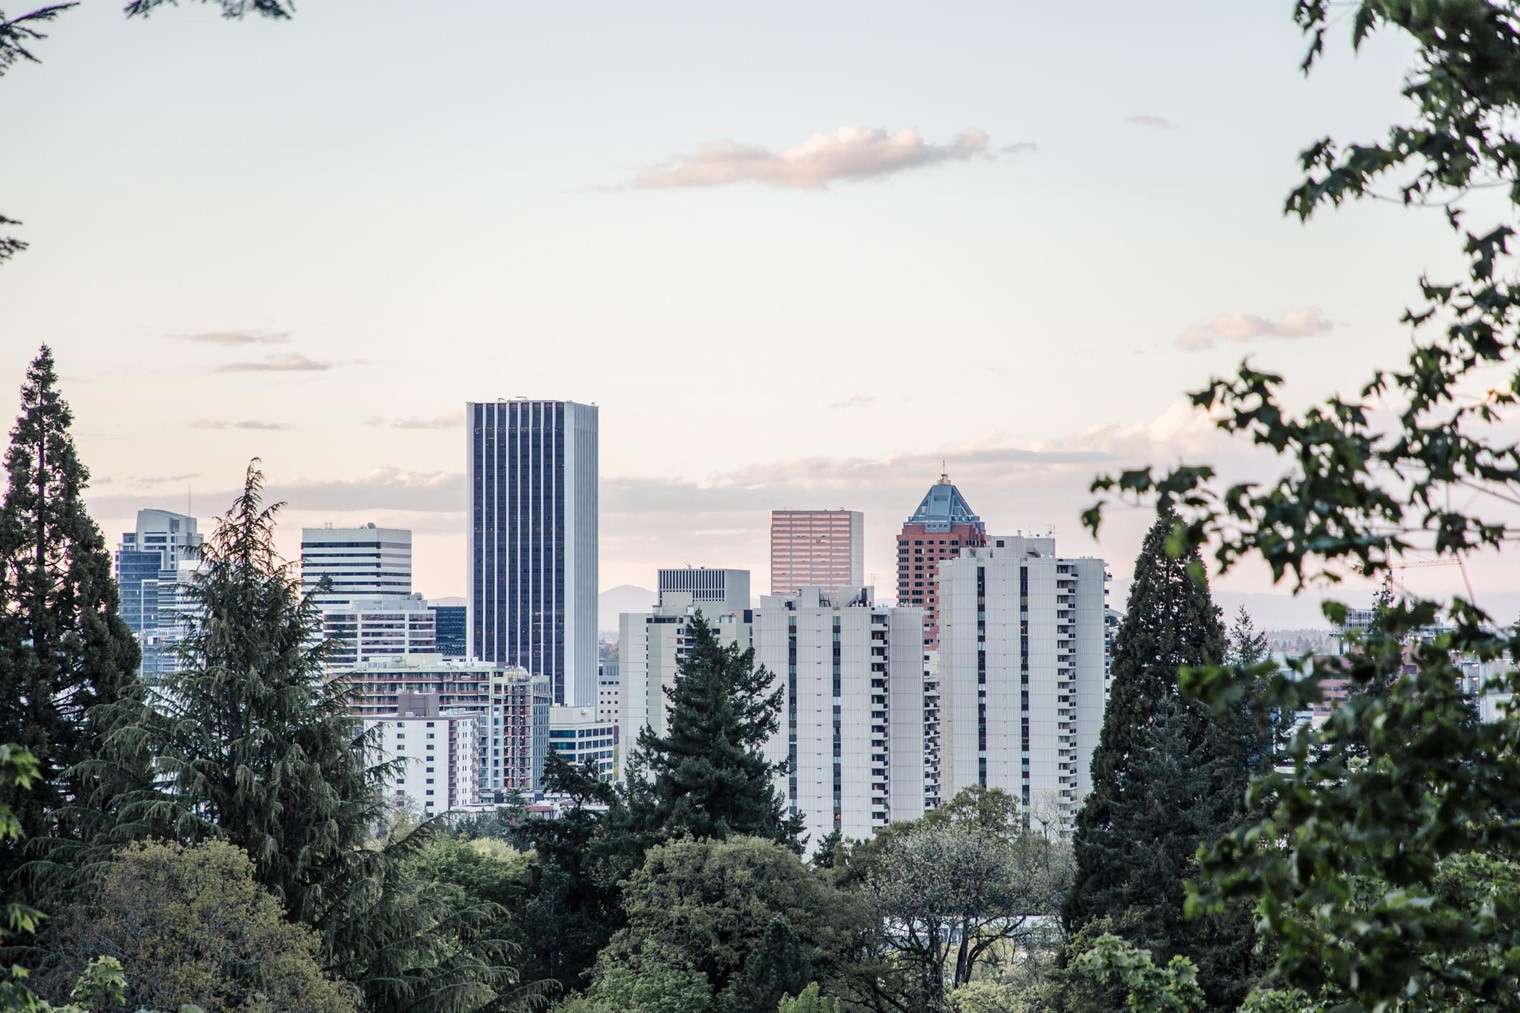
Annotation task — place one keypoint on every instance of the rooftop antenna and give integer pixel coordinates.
(944, 473)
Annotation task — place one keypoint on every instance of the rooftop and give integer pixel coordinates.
(943, 507)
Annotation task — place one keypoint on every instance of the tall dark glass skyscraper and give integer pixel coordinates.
(532, 470)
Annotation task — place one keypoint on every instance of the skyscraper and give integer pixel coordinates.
(817, 548)
(363, 562)
(942, 525)
(1021, 672)
(151, 562)
(532, 483)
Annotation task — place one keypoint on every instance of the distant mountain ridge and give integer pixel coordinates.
(614, 601)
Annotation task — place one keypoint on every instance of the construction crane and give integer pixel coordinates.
(1420, 564)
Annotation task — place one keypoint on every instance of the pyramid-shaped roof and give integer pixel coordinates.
(943, 507)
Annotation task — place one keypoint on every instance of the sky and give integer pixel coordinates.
(799, 254)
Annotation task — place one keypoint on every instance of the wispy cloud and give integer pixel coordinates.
(239, 424)
(383, 489)
(1150, 120)
(849, 153)
(855, 401)
(291, 363)
(237, 337)
(452, 420)
(1246, 327)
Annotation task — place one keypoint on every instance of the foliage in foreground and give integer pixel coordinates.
(1380, 859)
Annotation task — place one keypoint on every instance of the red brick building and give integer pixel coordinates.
(942, 525)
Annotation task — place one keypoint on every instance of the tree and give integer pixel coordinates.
(809, 1000)
(66, 658)
(1168, 776)
(1248, 645)
(959, 886)
(710, 905)
(708, 776)
(192, 924)
(1400, 783)
(254, 745)
(780, 966)
(647, 979)
(1170, 989)
(579, 858)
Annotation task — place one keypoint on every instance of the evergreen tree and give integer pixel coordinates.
(256, 746)
(66, 657)
(1248, 645)
(707, 777)
(1167, 777)
(780, 966)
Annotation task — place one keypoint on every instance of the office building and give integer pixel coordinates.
(1022, 671)
(651, 646)
(451, 627)
(717, 590)
(438, 754)
(363, 562)
(582, 736)
(852, 727)
(369, 628)
(152, 565)
(531, 470)
(512, 708)
(817, 548)
(940, 528)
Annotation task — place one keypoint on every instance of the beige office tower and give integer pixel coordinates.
(817, 548)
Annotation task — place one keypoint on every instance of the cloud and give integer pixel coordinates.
(383, 489)
(237, 337)
(291, 363)
(849, 153)
(240, 424)
(855, 401)
(151, 480)
(1247, 327)
(1151, 121)
(452, 420)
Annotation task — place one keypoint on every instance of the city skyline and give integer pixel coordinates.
(598, 222)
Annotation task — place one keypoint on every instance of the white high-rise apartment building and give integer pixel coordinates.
(439, 754)
(370, 628)
(531, 470)
(852, 729)
(1022, 662)
(650, 648)
(582, 736)
(363, 562)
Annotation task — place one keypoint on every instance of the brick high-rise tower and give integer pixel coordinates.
(942, 525)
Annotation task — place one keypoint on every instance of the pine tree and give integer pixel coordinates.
(66, 657)
(708, 777)
(780, 966)
(1248, 645)
(1167, 776)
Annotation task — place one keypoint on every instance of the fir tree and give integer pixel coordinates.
(1248, 645)
(66, 657)
(256, 746)
(780, 966)
(707, 776)
(1167, 777)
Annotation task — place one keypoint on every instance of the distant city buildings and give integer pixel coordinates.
(940, 528)
(532, 536)
(510, 705)
(583, 736)
(817, 548)
(362, 562)
(1022, 669)
(370, 628)
(153, 564)
(717, 590)
(437, 754)
(451, 627)
(852, 721)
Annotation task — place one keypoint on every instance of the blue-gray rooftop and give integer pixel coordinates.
(944, 507)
